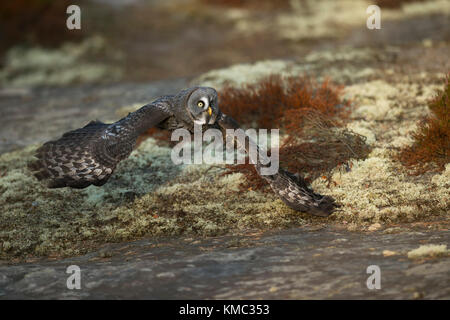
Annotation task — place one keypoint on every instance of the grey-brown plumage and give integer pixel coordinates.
(292, 189)
(298, 195)
(90, 154)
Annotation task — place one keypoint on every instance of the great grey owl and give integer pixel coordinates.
(90, 154)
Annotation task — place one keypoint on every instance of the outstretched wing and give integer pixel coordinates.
(90, 154)
(293, 190)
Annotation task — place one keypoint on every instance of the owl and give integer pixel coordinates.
(89, 155)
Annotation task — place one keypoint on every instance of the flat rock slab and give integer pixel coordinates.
(37, 115)
(298, 263)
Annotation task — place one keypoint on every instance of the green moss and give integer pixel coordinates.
(429, 250)
(38, 66)
(379, 189)
(147, 196)
(320, 18)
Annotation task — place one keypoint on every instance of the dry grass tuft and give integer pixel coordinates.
(431, 148)
(325, 149)
(309, 114)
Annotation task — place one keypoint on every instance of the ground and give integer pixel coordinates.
(192, 224)
(303, 263)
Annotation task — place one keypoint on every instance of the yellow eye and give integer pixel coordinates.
(200, 104)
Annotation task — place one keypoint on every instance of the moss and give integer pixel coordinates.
(344, 65)
(242, 74)
(320, 18)
(307, 112)
(375, 190)
(442, 180)
(429, 250)
(378, 189)
(411, 8)
(149, 196)
(39, 66)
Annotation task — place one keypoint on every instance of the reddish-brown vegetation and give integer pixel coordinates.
(276, 102)
(307, 113)
(431, 148)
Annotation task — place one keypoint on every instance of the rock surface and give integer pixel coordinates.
(36, 115)
(301, 263)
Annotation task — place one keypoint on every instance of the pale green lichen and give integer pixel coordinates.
(150, 196)
(378, 189)
(443, 180)
(320, 18)
(335, 64)
(429, 250)
(147, 196)
(25, 67)
(240, 74)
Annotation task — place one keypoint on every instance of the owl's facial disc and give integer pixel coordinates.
(202, 106)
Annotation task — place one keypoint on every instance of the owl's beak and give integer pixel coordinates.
(209, 111)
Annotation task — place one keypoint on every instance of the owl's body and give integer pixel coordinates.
(89, 155)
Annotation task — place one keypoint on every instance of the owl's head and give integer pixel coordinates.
(202, 105)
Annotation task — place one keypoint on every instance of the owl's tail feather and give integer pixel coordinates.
(295, 192)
